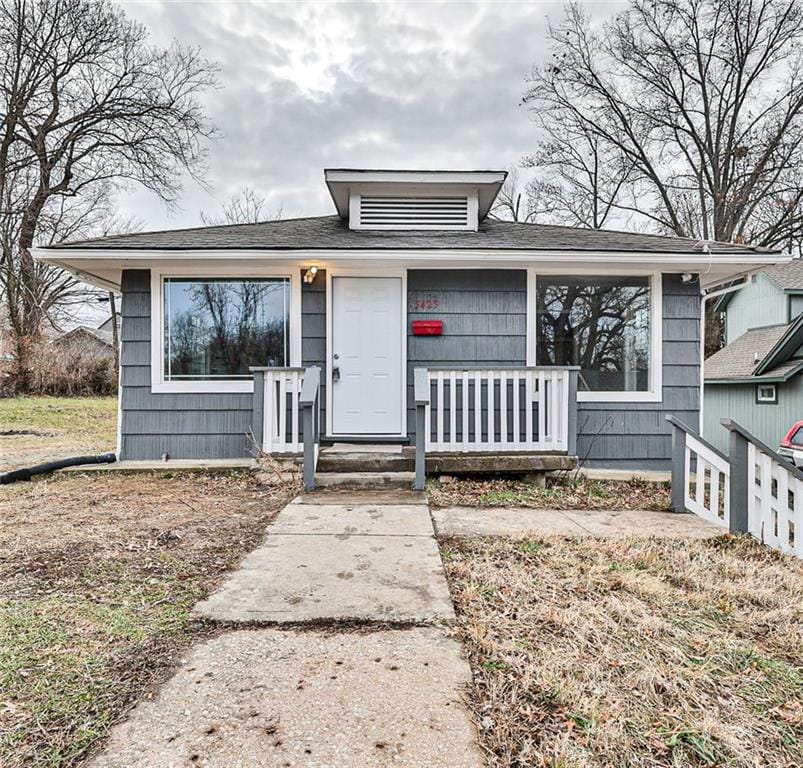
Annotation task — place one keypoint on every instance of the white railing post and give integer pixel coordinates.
(421, 392)
(309, 401)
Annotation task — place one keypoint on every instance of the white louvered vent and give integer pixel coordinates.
(394, 212)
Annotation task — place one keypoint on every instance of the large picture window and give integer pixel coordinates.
(602, 324)
(215, 328)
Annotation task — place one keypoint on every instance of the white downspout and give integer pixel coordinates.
(705, 297)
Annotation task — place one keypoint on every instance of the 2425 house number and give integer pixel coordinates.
(426, 304)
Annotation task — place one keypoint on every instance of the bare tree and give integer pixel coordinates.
(246, 206)
(515, 201)
(88, 104)
(580, 178)
(691, 107)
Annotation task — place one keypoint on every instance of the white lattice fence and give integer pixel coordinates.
(706, 480)
(774, 502)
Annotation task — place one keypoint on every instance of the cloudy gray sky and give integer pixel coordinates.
(311, 85)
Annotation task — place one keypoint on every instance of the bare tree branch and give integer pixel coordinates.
(88, 104)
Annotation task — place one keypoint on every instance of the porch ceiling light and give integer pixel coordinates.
(309, 275)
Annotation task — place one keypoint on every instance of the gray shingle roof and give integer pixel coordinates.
(788, 276)
(741, 357)
(331, 232)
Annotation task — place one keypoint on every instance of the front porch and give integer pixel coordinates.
(520, 419)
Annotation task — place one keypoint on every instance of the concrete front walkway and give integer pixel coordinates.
(511, 521)
(321, 561)
(270, 698)
(295, 693)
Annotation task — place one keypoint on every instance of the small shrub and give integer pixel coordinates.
(62, 370)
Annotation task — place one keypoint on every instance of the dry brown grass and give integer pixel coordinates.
(98, 575)
(632, 652)
(567, 494)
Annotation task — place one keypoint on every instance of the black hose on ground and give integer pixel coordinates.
(51, 466)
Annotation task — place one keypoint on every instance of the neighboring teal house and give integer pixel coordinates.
(773, 296)
(756, 379)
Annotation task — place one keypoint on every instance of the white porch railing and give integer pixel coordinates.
(774, 501)
(494, 410)
(499, 410)
(286, 414)
(751, 490)
(276, 406)
(707, 489)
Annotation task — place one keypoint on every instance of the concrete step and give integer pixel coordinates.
(359, 461)
(369, 480)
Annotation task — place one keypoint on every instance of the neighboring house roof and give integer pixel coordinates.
(102, 336)
(789, 276)
(760, 354)
(106, 325)
(332, 232)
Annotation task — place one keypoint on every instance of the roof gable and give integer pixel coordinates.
(748, 357)
(786, 346)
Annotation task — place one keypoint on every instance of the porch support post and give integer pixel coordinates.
(258, 408)
(309, 399)
(421, 388)
(739, 480)
(678, 498)
(571, 437)
(307, 424)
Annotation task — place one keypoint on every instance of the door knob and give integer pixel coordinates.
(336, 373)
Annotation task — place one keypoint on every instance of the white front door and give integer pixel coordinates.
(366, 364)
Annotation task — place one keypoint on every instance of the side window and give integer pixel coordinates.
(766, 393)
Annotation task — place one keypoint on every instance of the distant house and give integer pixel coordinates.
(87, 341)
(415, 318)
(755, 379)
(773, 296)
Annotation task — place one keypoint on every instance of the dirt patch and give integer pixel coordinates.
(98, 574)
(567, 494)
(602, 652)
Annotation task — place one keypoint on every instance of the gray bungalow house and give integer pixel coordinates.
(412, 302)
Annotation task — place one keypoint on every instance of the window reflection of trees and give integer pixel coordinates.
(601, 325)
(227, 327)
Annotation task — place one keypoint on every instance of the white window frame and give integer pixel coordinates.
(655, 393)
(767, 400)
(158, 383)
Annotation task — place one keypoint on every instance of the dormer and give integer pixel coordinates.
(423, 200)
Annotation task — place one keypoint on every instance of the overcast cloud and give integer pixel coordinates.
(306, 86)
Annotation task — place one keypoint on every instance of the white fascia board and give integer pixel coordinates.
(302, 255)
(102, 268)
(414, 177)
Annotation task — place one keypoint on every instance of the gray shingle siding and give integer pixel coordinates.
(192, 425)
(484, 315)
(485, 322)
(313, 331)
(635, 435)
